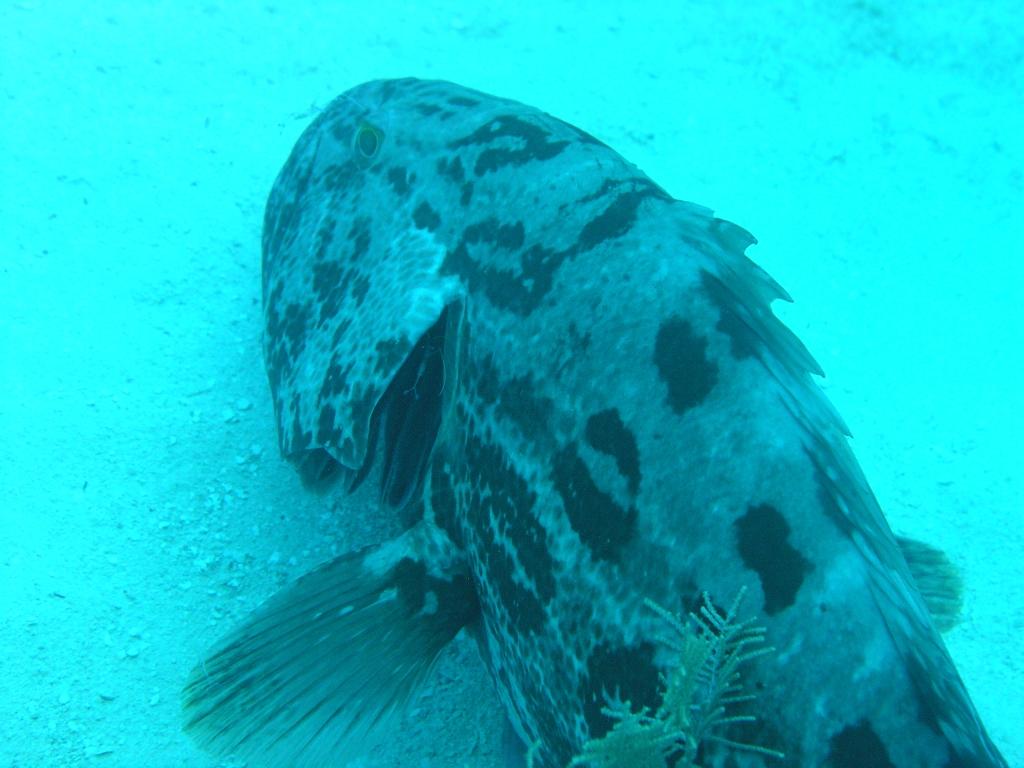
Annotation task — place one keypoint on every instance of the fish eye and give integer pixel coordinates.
(367, 141)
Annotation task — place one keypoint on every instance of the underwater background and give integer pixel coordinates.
(875, 149)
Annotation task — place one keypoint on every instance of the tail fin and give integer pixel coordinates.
(324, 662)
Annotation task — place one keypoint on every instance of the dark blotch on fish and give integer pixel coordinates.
(858, 746)
(763, 542)
(602, 524)
(606, 433)
(681, 357)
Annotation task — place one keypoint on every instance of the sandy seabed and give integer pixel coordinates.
(875, 149)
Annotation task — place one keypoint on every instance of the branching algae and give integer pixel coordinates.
(700, 695)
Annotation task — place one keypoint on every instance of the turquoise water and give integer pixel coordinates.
(874, 149)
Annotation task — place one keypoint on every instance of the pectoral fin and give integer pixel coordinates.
(314, 671)
(937, 579)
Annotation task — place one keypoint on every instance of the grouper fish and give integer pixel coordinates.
(572, 391)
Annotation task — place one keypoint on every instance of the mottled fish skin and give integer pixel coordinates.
(620, 417)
